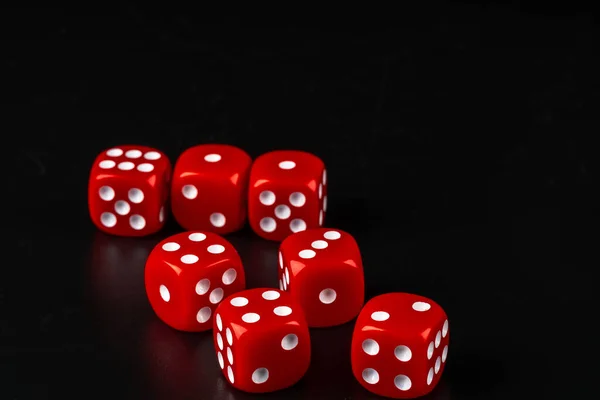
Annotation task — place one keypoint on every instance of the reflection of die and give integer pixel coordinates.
(209, 190)
(188, 274)
(262, 340)
(287, 193)
(400, 345)
(128, 190)
(322, 269)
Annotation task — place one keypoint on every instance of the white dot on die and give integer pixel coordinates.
(230, 374)
(284, 284)
(402, 382)
(438, 364)
(122, 207)
(332, 235)
(307, 254)
(229, 276)
(197, 237)
(229, 336)
(421, 306)
(430, 376)
(267, 197)
(137, 222)
(189, 192)
(430, 351)
(161, 214)
(219, 341)
(280, 285)
(321, 218)
(217, 220)
(133, 154)
(287, 165)
(445, 329)
(212, 157)
(280, 260)
(268, 224)
(282, 311)
(324, 177)
(445, 353)
(203, 315)
(325, 204)
(106, 193)
(380, 316)
(370, 376)
(145, 167)
(152, 155)
(438, 339)
(135, 195)
(289, 342)
(230, 355)
(239, 301)
(107, 164)
(287, 275)
(202, 286)
(170, 246)
(215, 249)
(114, 152)
(189, 259)
(250, 318)
(219, 322)
(164, 293)
(327, 296)
(320, 191)
(220, 358)
(297, 225)
(282, 211)
(126, 166)
(370, 347)
(216, 296)
(403, 353)
(260, 375)
(319, 244)
(108, 219)
(297, 199)
(270, 295)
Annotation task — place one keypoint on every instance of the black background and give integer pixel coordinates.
(458, 145)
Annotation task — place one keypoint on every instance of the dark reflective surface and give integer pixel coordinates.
(457, 150)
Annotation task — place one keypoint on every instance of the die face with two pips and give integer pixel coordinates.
(287, 193)
(128, 190)
(261, 340)
(188, 274)
(209, 190)
(322, 270)
(400, 345)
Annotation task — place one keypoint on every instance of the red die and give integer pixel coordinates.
(128, 190)
(400, 345)
(262, 340)
(188, 274)
(287, 193)
(322, 270)
(209, 189)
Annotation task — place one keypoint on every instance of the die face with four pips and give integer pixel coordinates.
(261, 340)
(128, 190)
(400, 345)
(322, 270)
(188, 274)
(287, 193)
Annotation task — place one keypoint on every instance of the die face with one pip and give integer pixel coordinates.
(209, 190)
(322, 270)
(128, 190)
(287, 193)
(188, 274)
(400, 345)
(262, 340)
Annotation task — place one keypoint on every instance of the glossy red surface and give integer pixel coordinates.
(262, 340)
(128, 190)
(209, 190)
(188, 274)
(400, 345)
(322, 269)
(287, 193)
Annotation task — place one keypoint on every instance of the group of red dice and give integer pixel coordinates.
(195, 280)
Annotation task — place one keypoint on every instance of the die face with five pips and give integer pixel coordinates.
(188, 274)
(400, 345)
(128, 190)
(261, 340)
